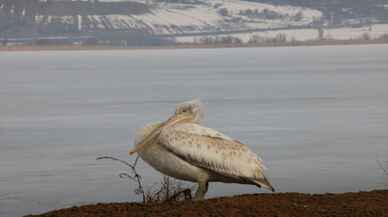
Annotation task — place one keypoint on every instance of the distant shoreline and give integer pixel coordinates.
(14, 48)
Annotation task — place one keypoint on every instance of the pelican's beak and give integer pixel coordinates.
(175, 119)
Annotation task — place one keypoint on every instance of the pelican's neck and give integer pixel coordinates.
(146, 131)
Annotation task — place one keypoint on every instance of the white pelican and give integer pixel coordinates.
(183, 149)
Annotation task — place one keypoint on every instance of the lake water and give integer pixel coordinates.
(318, 116)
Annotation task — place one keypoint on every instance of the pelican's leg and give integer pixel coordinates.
(201, 190)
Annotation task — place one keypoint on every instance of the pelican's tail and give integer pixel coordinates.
(263, 182)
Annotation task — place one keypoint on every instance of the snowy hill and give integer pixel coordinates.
(186, 21)
(205, 16)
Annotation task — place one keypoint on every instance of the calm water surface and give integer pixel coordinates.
(317, 115)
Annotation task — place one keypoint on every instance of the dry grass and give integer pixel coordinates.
(383, 166)
(168, 190)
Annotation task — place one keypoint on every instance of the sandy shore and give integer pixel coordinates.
(189, 46)
(361, 204)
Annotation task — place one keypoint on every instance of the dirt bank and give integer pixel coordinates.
(362, 204)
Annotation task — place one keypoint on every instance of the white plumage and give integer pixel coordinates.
(192, 152)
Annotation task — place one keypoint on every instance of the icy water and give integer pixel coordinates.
(318, 116)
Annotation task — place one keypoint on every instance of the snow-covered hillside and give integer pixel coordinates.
(308, 34)
(190, 21)
(207, 16)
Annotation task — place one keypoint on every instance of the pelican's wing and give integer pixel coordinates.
(212, 150)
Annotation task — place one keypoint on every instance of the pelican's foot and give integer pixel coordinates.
(201, 190)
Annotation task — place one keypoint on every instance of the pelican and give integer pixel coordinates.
(181, 148)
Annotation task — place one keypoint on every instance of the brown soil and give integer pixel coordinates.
(362, 204)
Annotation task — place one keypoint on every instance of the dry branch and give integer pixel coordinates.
(133, 175)
(168, 190)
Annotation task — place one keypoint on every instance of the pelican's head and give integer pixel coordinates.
(193, 108)
(190, 111)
